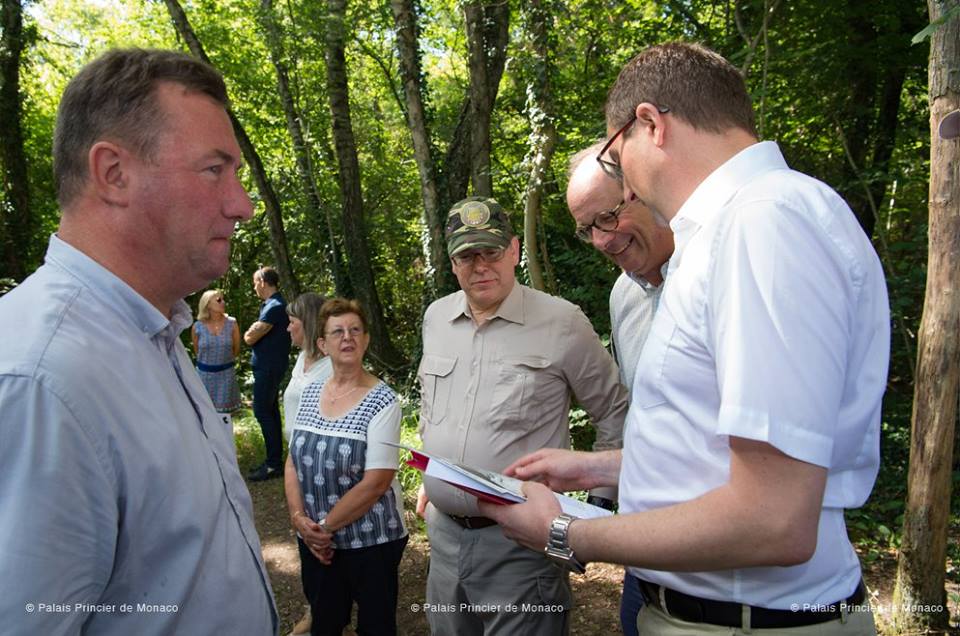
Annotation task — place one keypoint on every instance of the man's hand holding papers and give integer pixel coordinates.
(490, 486)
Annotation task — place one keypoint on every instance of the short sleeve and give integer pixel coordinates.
(274, 313)
(780, 315)
(384, 427)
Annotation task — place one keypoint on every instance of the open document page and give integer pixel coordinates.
(488, 485)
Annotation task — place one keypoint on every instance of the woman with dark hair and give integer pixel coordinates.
(216, 343)
(342, 493)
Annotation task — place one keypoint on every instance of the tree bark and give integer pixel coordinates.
(487, 37)
(361, 272)
(278, 238)
(869, 116)
(543, 135)
(434, 217)
(15, 203)
(301, 150)
(921, 564)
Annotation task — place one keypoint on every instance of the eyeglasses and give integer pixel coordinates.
(488, 255)
(606, 221)
(612, 168)
(340, 333)
(219, 300)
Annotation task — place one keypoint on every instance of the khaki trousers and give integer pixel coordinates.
(653, 621)
(482, 584)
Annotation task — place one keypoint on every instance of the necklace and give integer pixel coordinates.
(216, 326)
(334, 398)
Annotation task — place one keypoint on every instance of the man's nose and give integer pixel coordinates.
(239, 206)
(601, 239)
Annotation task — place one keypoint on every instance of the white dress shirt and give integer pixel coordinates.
(773, 326)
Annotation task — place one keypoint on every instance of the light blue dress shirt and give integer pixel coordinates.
(122, 509)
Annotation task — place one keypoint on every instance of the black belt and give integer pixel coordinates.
(701, 610)
(473, 523)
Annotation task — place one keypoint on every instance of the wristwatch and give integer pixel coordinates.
(558, 545)
(323, 526)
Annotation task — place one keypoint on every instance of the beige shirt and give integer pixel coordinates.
(494, 393)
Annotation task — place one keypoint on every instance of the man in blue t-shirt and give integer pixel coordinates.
(271, 349)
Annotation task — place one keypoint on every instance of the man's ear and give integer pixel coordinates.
(651, 121)
(515, 250)
(110, 172)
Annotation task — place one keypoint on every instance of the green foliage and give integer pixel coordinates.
(803, 75)
(248, 439)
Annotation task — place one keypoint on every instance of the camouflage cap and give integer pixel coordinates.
(477, 222)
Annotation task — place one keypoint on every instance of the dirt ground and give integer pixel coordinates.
(596, 594)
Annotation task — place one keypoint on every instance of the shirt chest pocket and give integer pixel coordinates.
(436, 378)
(648, 384)
(518, 390)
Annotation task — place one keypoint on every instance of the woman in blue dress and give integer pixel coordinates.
(216, 342)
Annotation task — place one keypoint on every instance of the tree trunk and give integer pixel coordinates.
(278, 238)
(361, 272)
(301, 150)
(921, 565)
(487, 37)
(455, 176)
(543, 133)
(434, 216)
(17, 222)
(869, 118)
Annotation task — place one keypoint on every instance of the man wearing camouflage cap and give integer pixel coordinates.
(500, 363)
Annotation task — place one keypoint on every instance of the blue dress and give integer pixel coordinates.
(215, 364)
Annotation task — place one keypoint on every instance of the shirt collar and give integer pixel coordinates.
(115, 293)
(714, 192)
(510, 309)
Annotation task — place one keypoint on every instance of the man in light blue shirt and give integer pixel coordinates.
(122, 510)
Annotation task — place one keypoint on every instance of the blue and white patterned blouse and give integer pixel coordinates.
(331, 455)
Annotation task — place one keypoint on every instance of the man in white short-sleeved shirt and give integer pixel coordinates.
(756, 409)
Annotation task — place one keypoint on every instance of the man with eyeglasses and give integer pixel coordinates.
(755, 415)
(630, 236)
(500, 364)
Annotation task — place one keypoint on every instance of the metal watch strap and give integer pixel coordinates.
(558, 544)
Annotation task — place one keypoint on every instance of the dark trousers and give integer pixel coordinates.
(266, 408)
(365, 575)
(630, 604)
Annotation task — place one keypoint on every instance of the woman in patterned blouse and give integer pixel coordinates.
(344, 499)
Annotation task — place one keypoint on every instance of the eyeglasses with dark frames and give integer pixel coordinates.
(612, 168)
(487, 255)
(606, 221)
